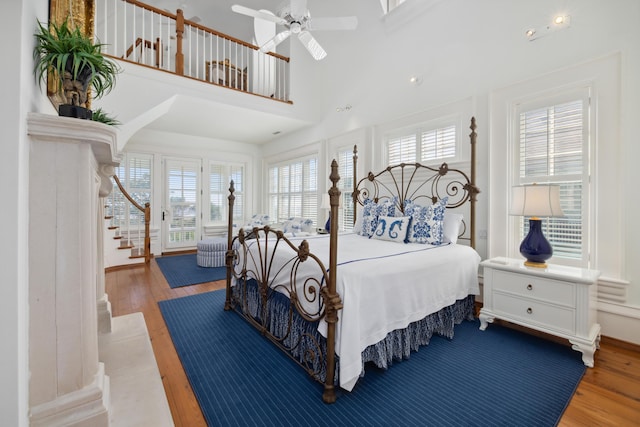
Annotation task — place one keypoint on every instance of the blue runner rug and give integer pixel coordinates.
(183, 270)
(497, 377)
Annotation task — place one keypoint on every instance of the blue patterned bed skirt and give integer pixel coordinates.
(307, 346)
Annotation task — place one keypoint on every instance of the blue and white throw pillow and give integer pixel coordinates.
(258, 220)
(426, 222)
(392, 228)
(297, 225)
(372, 210)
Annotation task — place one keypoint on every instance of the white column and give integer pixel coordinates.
(68, 385)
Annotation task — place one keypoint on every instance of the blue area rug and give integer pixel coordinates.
(183, 270)
(497, 377)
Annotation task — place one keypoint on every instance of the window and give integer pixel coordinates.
(421, 144)
(293, 189)
(553, 148)
(134, 173)
(345, 169)
(220, 176)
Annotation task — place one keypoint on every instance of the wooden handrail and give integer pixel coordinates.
(147, 219)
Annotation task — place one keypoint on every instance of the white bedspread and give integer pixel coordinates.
(385, 286)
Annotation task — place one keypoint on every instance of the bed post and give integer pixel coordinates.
(229, 254)
(473, 190)
(354, 195)
(331, 298)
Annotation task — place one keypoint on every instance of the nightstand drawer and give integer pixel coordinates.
(533, 312)
(562, 293)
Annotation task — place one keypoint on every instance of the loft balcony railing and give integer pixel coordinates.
(135, 32)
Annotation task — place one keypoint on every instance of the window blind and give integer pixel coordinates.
(345, 169)
(134, 173)
(220, 176)
(293, 189)
(421, 144)
(552, 149)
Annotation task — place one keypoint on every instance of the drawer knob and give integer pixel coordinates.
(529, 310)
(529, 286)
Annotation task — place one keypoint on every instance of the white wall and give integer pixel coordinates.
(472, 49)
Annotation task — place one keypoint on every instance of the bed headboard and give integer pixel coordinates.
(425, 185)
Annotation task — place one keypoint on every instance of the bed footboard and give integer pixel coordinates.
(264, 269)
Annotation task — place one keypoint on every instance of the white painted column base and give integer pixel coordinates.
(86, 407)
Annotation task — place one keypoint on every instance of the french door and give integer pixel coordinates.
(181, 210)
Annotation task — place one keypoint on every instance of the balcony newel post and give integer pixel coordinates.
(179, 36)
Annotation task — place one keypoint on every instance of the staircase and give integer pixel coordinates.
(127, 237)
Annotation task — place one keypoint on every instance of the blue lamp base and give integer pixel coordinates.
(535, 247)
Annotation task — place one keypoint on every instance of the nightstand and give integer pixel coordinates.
(557, 300)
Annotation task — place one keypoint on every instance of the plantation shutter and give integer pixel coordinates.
(553, 149)
(401, 149)
(345, 169)
(134, 173)
(293, 189)
(438, 143)
(220, 176)
(422, 143)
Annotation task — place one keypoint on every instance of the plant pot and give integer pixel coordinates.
(75, 111)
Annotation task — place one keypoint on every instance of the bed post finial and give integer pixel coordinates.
(229, 253)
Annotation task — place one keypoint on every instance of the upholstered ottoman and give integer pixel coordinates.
(211, 252)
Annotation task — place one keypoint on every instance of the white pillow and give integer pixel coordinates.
(392, 228)
(451, 226)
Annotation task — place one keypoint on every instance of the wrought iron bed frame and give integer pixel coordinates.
(404, 181)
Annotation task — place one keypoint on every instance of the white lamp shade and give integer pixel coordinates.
(539, 200)
(325, 202)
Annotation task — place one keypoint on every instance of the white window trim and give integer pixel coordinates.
(554, 97)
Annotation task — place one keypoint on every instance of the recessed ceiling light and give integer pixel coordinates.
(530, 32)
(415, 80)
(558, 19)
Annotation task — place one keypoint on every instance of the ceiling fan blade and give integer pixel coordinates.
(257, 14)
(312, 45)
(275, 41)
(336, 23)
(298, 8)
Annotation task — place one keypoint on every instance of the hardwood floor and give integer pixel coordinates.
(608, 395)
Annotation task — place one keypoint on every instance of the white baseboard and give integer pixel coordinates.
(619, 321)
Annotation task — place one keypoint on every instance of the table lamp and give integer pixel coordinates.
(535, 201)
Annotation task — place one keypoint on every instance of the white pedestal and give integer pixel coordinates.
(69, 164)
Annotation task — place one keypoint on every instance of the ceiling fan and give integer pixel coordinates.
(295, 17)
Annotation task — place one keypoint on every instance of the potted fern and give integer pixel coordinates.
(76, 63)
